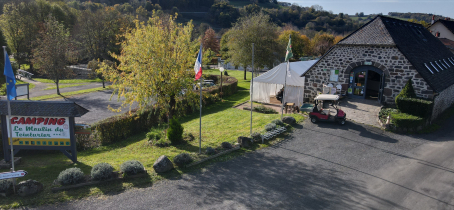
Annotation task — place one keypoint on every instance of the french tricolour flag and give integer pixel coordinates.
(198, 65)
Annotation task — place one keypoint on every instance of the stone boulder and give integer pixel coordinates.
(162, 164)
(289, 120)
(244, 141)
(226, 145)
(29, 187)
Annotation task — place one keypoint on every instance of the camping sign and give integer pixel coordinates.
(40, 131)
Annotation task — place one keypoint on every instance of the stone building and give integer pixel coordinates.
(444, 30)
(376, 61)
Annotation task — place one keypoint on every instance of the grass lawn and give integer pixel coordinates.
(220, 122)
(53, 87)
(31, 86)
(68, 81)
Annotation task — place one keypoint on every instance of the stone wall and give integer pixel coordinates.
(345, 58)
(443, 101)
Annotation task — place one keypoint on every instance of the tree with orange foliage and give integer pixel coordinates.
(209, 41)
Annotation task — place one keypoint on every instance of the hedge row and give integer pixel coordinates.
(415, 106)
(118, 128)
(404, 120)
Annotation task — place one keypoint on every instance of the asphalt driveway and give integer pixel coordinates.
(322, 166)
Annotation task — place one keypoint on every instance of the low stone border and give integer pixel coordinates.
(213, 156)
(56, 189)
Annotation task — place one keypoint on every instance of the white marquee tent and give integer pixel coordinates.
(271, 82)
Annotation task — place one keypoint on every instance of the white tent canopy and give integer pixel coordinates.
(271, 82)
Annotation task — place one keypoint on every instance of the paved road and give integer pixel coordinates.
(97, 103)
(323, 166)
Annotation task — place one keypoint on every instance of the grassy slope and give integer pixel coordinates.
(220, 123)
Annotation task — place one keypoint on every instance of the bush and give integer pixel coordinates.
(289, 120)
(132, 167)
(278, 122)
(226, 145)
(225, 73)
(101, 171)
(270, 127)
(256, 136)
(403, 120)
(210, 151)
(6, 186)
(175, 131)
(265, 110)
(415, 106)
(182, 159)
(71, 176)
(153, 135)
(407, 91)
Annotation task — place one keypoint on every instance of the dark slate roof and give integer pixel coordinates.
(448, 24)
(420, 47)
(43, 108)
(448, 43)
(374, 32)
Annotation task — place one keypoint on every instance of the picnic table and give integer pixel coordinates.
(22, 73)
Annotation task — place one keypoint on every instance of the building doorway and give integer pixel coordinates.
(366, 82)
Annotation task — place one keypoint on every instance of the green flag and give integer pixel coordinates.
(289, 53)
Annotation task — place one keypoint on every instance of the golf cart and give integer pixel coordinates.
(325, 109)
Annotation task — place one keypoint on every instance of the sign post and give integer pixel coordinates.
(14, 174)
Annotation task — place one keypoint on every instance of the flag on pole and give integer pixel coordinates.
(289, 53)
(10, 79)
(198, 65)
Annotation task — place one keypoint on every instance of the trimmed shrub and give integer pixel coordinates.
(210, 151)
(182, 159)
(71, 176)
(256, 136)
(406, 92)
(403, 120)
(278, 122)
(270, 127)
(101, 171)
(153, 135)
(175, 131)
(226, 145)
(264, 109)
(132, 167)
(415, 106)
(6, 186)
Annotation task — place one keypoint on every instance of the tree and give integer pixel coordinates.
(321, 43)
(155, 65)
(223, 14)
(99, 32)
(299, 42)
(94, 65)
(53, 51)
(257, 29)
(209, 41)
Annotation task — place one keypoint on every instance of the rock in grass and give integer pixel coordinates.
(244, 141)
(29, 187)
(162, 164)
(289, 120)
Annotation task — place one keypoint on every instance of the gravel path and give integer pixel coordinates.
(319, 166)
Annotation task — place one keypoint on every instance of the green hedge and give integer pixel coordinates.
(403, 120)
(120, 127)
(415, 106)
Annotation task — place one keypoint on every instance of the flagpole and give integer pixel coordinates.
(10, 135)
(285, 88)
(252, 83)
(201, 86)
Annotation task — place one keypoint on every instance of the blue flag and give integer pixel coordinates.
(10, 79)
